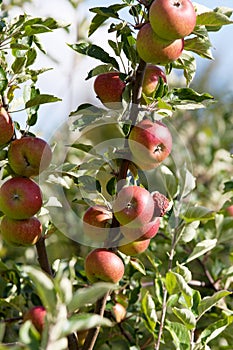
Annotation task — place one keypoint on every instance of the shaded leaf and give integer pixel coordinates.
(180, 335)
(202, 248)
(208, 302)
(94, 51)
(18, 64)
(190, 95)
(198, 213)
(89, 295)
(41, 99)
(149, 312)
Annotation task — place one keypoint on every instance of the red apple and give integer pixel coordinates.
(153, 49)
(161, 203)
(147, 231)
(20, 198)
(96, 223)
(150, 143)
(6, 127)
(21, 232)
(133, 248)
(172, 19)
(109, 88)
(37, 316)
(133, 206)
(119, 312)
(104, 265)
(230, 210)
(29, 156)
(151, 79)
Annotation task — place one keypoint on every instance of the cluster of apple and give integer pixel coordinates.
(109, 86)
(20, 196)
(161, 40)
(138, 213)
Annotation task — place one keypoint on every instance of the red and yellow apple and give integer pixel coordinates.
(153, 49)
(150, 143)
(29, 156)
(119, 312)
(6, 127)
(144, 232)
(133, 206)
(37, 316)
(151, 79)
(21, 232)
(172, 19)
(133, 248)
(104, 265)
(20, 198)
(96, 223)
(109, 88)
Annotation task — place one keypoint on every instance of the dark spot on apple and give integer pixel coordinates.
(159, 148)
(177, 3)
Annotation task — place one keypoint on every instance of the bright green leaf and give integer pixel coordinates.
(208, 302)
(138, 265)
(3, 80)
(41, 99)
(148, 311)
(186, 316)
(180, 335)
(18, 64)
(198, 213)
(175, 283)
(202, 248)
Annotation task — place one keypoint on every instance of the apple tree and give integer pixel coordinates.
(116, 232)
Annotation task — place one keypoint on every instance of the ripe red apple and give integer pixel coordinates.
(6, 127)
(104, 265)
(172, 19)
(37, 316)
(96, 223)
(161, 203)
(151, 79)
(119, 312)
(150, 143)
(133, 248)
(109, 88)
(21, 232)
(230, 210)
(20, 198)
(133, 206)
(29, 156)
(153, 49)
(147, 231)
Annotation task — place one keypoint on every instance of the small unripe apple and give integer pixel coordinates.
(37, 316)
(153, 49)
(109, 88)
(161, 203)
(21, 232)
(133, 206)
(172, 19)
(150, 143)
(6, 127)
(151, 79)
(29, 156)
(133, 248)
(96, 223)
(119, 312)
(147, 231)
(20, 198)
(104, 265)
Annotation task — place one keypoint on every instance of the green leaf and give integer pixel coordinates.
(213, 20)
(148, 312)
(103, 68)
(180, 335)
(198, 213)
(200, 46)
(186, 316)
(208, 302)
(202, 248)
(18, 64)
(213, 330)
(89, 295)
(138, 265)
(3, 80)
(111, 186)
(94, 51)
(44, 286)
(102, 14)
(175, 283)
(187, 94)
(188, 63)
(82, 147)
(31, 57)
(169, 180)
(41, 99)
(84, 321)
